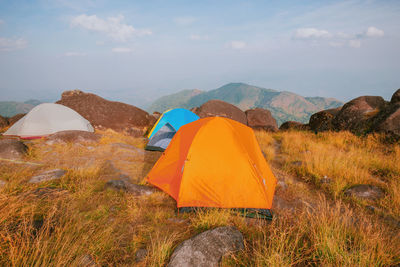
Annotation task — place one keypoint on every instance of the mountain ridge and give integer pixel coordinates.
(284, 105)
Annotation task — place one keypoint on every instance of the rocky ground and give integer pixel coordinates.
(81, 200)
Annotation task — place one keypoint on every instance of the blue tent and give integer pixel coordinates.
(175, 117)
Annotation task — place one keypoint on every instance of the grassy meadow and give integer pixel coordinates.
(77, 221)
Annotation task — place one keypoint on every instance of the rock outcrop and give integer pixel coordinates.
(322, 121)
(219, 108)
(105, 114)
(15, 118)
(260, 118)
(365, 191)
(355, 115)
(294, 125)
(48, 176)
(207, 249)
(12, 149)
(3, 122)
(395, 97)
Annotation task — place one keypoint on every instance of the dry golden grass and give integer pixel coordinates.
(61, 222)
(347, 160)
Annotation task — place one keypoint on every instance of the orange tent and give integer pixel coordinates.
(215, 162)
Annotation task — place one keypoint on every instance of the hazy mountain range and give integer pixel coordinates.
(11, 108)
(284, 105)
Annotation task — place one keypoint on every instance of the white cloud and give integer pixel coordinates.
(196, 37)
(122, 50)
(311, 33)
(74, 54)
(374, 32)
(237, 44)
(112, 27)
(355, 43)
(184, 20)
(8, 44)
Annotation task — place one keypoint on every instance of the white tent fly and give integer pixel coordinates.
(46, 119)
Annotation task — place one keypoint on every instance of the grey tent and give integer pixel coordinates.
(160, 140)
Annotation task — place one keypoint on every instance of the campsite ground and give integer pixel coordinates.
(77, 220)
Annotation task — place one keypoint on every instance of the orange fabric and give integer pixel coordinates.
(215, 162)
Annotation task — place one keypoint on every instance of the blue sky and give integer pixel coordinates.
(134, 51)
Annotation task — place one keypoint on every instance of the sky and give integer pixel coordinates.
(136, 51)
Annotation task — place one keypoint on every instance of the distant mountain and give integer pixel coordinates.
(284, 105)
(11, 108)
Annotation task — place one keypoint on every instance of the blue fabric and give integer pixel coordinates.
(176, 118)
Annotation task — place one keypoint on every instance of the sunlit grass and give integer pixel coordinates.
(76, 217)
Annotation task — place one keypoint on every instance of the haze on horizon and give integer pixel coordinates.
(135, 51)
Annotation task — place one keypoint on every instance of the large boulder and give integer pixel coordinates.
(15, 118)
(105, 114)
(219, 108)
(395, 97)
(12, 149)
(356, 114)
(322, 121)
(260, 118)
(294, 125)
(388, 122)
(3, 122)
(207, 249)
(73, 136)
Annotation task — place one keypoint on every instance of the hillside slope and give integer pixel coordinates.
(284, 106)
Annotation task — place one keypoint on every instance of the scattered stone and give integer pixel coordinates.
(140, 254)
(325, 180)
(219, 108)
(73, 136)
(260, 118)
(135, 189)
(208, 248)
(87, 261)
(12, 149)
(103, 114)
(177, 220)
(282, 185)
(297, 163)
(364, 191)
(48, 176)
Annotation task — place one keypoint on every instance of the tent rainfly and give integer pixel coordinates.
(175, 117)
(46, 119)
(215, 162)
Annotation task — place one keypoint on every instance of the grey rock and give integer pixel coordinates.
(87, 261)
(48, 176)
(364, 191)
(2, 183)
(208, 248)
(12, 149)
(140, 254)
(135, 189)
